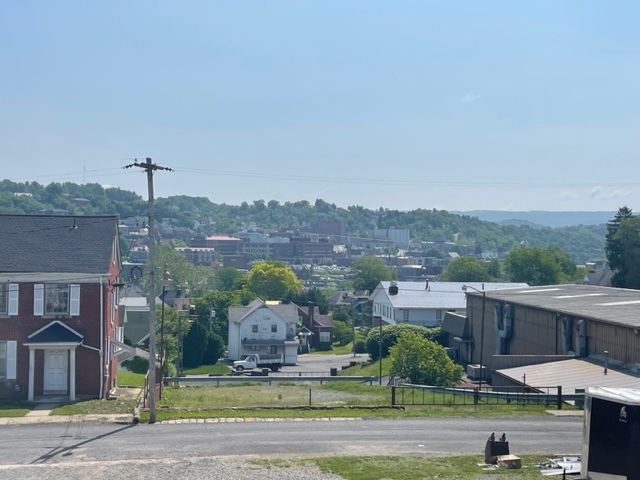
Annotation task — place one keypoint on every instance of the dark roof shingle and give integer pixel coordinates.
(57, 243)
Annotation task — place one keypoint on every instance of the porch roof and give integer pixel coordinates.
(54, 332)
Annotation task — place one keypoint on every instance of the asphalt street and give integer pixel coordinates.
(72, 447)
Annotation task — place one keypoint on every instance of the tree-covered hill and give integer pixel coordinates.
(583, 242)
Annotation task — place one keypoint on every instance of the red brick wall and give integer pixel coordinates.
(87, 324)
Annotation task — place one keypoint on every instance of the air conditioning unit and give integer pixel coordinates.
(474, 371)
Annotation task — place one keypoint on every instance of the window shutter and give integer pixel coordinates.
(38, 299)
(11, 359)
(74, 307)
(13, 299)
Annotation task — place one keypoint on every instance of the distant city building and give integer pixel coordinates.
(399, 236)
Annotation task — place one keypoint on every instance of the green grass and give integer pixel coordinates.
(369, 369)
(15, 409)
(336, 349)
(126, 378)
(416, 467)
(288, 400)
(218, 369)
(95, 407)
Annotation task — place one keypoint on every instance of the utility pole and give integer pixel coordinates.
(150, 167)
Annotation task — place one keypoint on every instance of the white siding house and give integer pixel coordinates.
(424, 303)
(261, 328)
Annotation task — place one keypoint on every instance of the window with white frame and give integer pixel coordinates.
(254, 328)
(8, 298)
(3, 360)
(4, 298)
(8, 360)
(439, 315)
(56, 299)
(274, 328)
(325, 337)
(405, 315)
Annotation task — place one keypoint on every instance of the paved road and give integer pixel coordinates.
(73, 447)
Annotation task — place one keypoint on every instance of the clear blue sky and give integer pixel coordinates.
(505, 105)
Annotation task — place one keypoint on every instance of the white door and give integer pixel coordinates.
(55, 371)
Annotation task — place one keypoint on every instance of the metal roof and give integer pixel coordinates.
(571, 374)
(435, 295)
(287, 312)
(619, 395)
(57, 243)
(607, 304)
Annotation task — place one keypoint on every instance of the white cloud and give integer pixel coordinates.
(470, 97)
(598, 192)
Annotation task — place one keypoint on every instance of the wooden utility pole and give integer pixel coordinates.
(150, 167)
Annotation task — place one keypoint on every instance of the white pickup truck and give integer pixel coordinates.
(272, 361)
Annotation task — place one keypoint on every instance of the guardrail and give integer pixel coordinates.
(265, 379)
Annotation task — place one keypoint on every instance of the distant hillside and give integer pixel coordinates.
(470, 234)
(536, 218)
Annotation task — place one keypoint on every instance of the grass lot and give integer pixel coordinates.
(95, 407)
(126, 378)
(414, 468)
(335, 399)
(15, 409)
(218, 369)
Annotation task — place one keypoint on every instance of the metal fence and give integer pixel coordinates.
(426, 395)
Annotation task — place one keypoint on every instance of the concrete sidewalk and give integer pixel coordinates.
(46, 418)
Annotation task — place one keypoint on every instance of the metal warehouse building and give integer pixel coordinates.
(560, 320)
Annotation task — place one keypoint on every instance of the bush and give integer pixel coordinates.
(360, 347)
(215, 349)
(136, 365)
(390, 334)
(342, 333)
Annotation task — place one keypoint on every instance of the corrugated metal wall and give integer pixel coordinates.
(540, 332)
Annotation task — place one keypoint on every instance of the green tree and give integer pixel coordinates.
(615, 250)
(195, 345)
(533, 265)
(627, 238)
(466, 269)
(228, 279)
(494, 269)
(423, 362)
(342, 333)
(391, 333)
(369, 272)
(272, 280)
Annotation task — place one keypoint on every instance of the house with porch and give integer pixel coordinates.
(58, 305)
(264, 328)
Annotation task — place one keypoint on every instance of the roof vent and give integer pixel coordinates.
(393, 288)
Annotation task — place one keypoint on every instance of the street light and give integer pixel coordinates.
(484, 298)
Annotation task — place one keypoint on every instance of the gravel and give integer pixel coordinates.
(211, 468)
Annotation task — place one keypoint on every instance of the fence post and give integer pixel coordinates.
(476, 395)
(309, 397)
(393, 395)
(559, 397)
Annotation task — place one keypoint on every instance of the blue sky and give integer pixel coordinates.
(461, 105)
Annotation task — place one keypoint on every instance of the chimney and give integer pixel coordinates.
(311, 309)
(393, 288)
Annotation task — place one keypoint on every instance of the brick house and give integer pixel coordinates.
(320, 326)
(58, 305)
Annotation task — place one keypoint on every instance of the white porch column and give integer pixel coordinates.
(72, 374)
(32, 366)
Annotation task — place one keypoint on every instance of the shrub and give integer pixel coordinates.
(136, 365)
(390, 334)
(360, 347)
